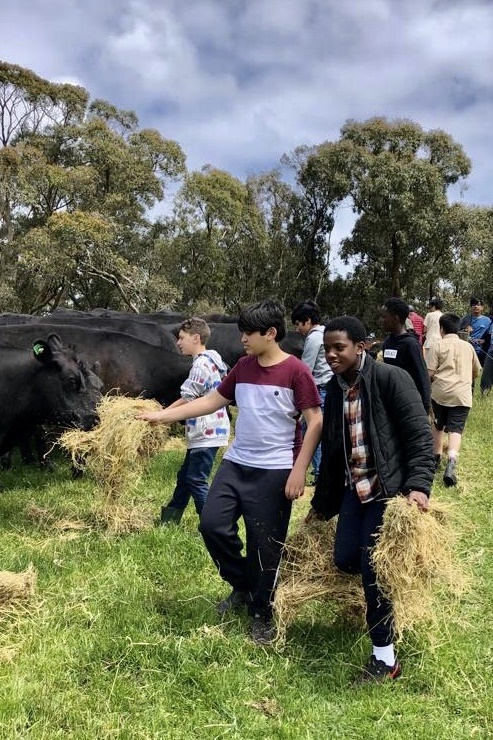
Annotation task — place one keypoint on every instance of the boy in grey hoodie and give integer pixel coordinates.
(204, 434)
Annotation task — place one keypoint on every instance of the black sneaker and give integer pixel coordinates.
(376, 671)
(263, 630)
(235, 601)
(449, 477)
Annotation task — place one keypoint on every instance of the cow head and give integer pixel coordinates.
(68, 391)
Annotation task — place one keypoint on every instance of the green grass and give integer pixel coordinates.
(121, 639)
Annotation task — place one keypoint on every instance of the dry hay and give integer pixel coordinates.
(15, 587)
(308, 573)
(115, 453)
(416, 562)
(414, 558)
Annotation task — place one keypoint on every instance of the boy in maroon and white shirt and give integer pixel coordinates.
(264, 468)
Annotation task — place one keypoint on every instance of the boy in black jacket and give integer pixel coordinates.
(376, 443)
(402, 348)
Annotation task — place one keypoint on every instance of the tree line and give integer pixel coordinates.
(80, 180)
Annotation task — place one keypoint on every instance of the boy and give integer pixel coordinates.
(432, 326)
(376, 443)
(401, 348)
(477, 324)
(205, 434)
(453, 365)
(264, 469)
(306, 319)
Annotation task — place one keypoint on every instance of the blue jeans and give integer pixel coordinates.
(317, 455)
(193, 478)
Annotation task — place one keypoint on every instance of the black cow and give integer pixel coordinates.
(126, 364)
(46, 385)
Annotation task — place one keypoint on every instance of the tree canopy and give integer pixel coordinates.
(88, 215)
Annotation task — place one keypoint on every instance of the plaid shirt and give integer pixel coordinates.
(361, 466)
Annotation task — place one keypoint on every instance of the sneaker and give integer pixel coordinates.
(170, 515)
(449, 477)
(263, 630)
(376, 671)
(235, 601)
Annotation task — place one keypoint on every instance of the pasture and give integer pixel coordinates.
(121, 638)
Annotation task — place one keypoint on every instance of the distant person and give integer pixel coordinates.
(401, 348)
(487, 374)
(477, 325)
(431, 327)
(205, 434)
(376, 444)
(418, 323)
(264, 468)
(306, 319)
(453, 365)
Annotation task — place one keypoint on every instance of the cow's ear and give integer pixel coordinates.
(42, 351)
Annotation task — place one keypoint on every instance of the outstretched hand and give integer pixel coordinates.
(153, 417)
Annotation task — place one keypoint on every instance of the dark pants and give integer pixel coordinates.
(258, 496)
(355, 536)
(193, 478)
(487, 374)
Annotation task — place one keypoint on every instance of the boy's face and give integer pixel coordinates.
(388, 321)
(303, 327)
(342, 354)
(477, 309)
(187, 343)
(256, 343)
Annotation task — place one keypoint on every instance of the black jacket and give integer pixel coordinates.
(399, 435)
(405, 351)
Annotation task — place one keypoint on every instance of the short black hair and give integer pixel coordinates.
(306, 310)
(450, 323)
(436, 302)
(475, 301)
(397, 307)
(353, 327)
(263, 315)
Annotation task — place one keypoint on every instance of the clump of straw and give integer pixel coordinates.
(415, 560)
(308, 573)
(416, 563)
(15, 587)
(115, 453)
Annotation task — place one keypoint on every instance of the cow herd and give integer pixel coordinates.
(54, 368)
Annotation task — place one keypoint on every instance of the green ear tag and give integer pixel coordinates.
(38, 348)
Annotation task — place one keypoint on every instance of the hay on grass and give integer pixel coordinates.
(115, 453)
(15, 587)
(415, 560)
(416, 563)
(308, 573)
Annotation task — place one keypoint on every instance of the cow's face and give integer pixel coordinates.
(68, 390)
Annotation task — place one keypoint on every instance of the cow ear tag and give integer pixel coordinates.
(38, 348)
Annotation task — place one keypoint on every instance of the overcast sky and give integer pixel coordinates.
(240, 82)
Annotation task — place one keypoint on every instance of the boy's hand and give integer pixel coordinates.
(420, 498)
(154, 417)
(295, 485)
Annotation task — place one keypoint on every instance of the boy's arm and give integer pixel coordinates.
(295, 484)
(188, 410)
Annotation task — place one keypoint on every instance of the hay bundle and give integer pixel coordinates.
(414, 558)
(308, 573)
(115, 453)
(15, 587)
(416, 563)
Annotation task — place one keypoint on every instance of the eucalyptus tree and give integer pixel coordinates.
(78, 180)
(396, 176)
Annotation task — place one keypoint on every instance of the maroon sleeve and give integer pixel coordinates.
(306, 395)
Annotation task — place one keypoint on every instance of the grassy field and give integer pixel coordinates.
(121, 639)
